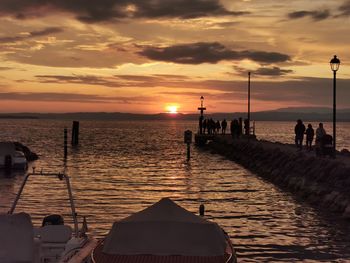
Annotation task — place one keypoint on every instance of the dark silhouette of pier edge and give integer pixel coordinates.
(323, 182)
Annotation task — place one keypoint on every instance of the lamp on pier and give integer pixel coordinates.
(335, 63)
(201, 117)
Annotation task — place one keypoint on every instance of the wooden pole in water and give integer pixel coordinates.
(188, 141)
(188, 151)
(75, 133)
(65, 144)
(201, 210)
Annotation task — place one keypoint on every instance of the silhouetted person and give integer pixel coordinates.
(211, 126)
(223, 126)
(208, 126)
(246, 127)
(320, 133)
(235, 128)
(218, 126)
(204, 125)
(201, 124)
(240, 126)
(299, 134)
(310, 133)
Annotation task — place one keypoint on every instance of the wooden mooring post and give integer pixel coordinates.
(188, 141)
(75, 133)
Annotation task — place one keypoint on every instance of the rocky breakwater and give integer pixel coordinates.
(324, 182)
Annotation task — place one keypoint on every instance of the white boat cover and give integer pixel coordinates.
(165, 229)
(16, 239)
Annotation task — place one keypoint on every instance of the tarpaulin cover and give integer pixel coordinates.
(165, 229)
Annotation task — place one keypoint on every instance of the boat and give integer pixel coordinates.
(19, 161)
(167, 233)
(52, 242)
(11, 158)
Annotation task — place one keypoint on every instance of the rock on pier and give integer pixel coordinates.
(322, 181)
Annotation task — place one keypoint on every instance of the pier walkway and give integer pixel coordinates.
(322, 181)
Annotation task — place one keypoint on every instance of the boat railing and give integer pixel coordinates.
(60, 176)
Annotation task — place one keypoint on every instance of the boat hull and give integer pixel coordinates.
(99, 257)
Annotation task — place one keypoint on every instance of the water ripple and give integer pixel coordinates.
(122, 167)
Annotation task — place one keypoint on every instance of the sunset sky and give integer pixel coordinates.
(146, 55)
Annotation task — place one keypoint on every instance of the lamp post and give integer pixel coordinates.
(201, 117)
(249, 103)
(335, 63)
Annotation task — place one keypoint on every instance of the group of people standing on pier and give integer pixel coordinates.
(322, 138)
(211, 126)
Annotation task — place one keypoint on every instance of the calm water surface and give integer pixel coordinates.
(122, 167)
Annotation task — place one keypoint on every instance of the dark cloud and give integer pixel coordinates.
(5, 68)
(116, 81)
(33, 34)
(262, 71)
(46, 31)
(208, 52)
(345, 9)
(68, 97)
(104, 10)
(315, 15)
(79, 79)
(274, 71)
(262, 56)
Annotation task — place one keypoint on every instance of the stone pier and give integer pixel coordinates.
(321, 181)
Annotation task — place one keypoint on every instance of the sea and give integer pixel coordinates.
(121, 167)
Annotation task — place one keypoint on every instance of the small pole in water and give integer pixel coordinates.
(188, 141)
(75, 133)
(201, 210)
(65, 144)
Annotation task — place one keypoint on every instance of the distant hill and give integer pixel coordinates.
(284, 114)
(15, 116)
(305, 110)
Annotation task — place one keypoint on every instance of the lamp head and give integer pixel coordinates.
(335, 63)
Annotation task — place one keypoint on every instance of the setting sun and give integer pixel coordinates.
(172, 109)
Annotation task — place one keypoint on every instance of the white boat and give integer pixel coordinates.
(10, 158)
(165, 232)
(19, 161)
(53, 242)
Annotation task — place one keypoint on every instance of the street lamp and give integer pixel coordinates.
(335, 63)
(201, 117)
(248, 103)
